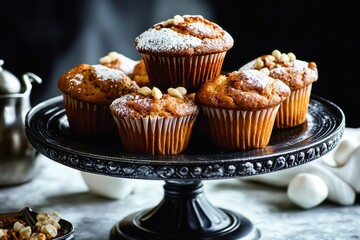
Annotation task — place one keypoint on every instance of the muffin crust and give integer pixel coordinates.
(118, 61)
(136, 105)
(184, 35)
(242, 90)
(285, 67)
(95, 83)
(139, 74)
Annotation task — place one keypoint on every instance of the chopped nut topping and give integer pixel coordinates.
(273, 60)
(269, 64)
(105, 59)
(276, 53)
(49, 229)
(146, 91)
(284, 58)
(174, 92)
(112, 56)
(182, 90)
(156, 93)
(46, 227)
(269, 58)
(291, 56)
(259, 63)
(18, 226)
(26, 232)
(174, 21)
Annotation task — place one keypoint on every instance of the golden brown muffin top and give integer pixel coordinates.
(242, 90)
(95, 83)
(295, 73)
(183, 36)
(153, 103)
(139, 74)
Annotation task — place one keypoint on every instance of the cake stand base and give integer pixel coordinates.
(184, 213)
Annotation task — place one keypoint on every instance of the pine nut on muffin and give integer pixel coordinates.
(183, 51)
(299, 75)
(154, 122)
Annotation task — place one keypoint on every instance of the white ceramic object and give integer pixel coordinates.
(127, 64)
(109, 187)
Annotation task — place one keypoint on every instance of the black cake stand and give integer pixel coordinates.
(184, 212)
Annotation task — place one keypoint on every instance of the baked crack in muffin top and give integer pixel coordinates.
(242, 90)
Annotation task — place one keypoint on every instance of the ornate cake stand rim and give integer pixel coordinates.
(178, 169)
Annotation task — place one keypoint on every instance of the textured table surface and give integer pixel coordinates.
(60, 188)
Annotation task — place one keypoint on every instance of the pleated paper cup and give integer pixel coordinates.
(293, 110)
(89, 118)
(186, 71)
(240, 130)
(155, 135)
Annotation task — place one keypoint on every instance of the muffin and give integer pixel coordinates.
(118, 61)
(298, 75)
(183, 51)
(240, 108)
(134, 69)
(88, 91)
(139, 74)
(153, 122)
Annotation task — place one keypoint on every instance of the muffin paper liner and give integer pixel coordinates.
(187, 71)
(155, 135)
(240, 130)
(293, 110)
(89, 118)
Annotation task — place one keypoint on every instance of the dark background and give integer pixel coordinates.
(50, 37)
(326, 32)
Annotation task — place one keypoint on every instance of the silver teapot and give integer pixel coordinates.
(18, 159)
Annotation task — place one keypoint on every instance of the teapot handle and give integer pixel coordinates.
(28, 79)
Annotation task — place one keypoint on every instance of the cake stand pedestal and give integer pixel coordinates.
(184, 212)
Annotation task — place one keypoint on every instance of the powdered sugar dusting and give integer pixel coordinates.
(165, 39)
(189, 34)
(199, 28)
(74, 82)
(282, 87)
(298, 67)
(131, 105)
(257, 78)
(297, 76)
(249, 65)
(298, 64)
(260, 80)
(107, 73)
(127, 64)
(120, 106)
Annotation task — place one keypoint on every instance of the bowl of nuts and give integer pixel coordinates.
(29, 225)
